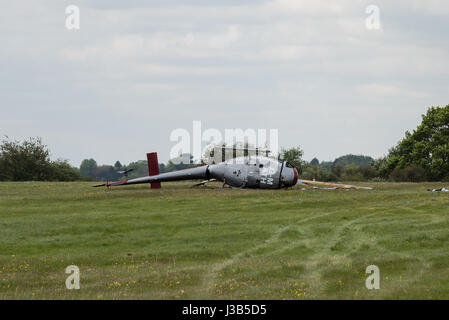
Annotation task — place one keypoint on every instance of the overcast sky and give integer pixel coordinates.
(136, 70)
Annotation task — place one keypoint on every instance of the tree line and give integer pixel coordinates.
(422, 155)
(90, 170)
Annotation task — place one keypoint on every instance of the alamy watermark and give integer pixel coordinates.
(73, 280)
(372, 22)
(206, 145)
(72, 21)
(373, 280)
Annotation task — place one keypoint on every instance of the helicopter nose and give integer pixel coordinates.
(295, 178)
(289, 177)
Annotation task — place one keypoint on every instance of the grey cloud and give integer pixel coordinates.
(137, 70)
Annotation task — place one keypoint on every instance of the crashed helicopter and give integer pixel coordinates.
(251, 171)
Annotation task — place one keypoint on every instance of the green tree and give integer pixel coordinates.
(358, 160)
(317, 172)
(26, 161)
(326, 165)
(368, 172)
(427, 147)
(294, 157)
(315, 162)
(30, 161)
(106, 173)
(337, 170)
(140, 169)
(351, 172)
(61, 170)
(412, 173)
(87, 167)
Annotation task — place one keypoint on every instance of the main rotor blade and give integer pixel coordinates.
(334, 185)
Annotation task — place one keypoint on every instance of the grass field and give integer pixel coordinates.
(206, 243)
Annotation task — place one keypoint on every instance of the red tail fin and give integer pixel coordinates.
(153, 168)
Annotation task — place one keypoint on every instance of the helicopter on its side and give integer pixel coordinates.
(255, 172)
(252, 172)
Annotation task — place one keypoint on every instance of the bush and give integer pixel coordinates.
(294, 157)
(378, 179)
(24, 161)
(368, 172)
(61, 170)
(30, 161)
(310, 172)
(411, 173)
(351, 172)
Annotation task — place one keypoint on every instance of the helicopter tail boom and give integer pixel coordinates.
(186, 174)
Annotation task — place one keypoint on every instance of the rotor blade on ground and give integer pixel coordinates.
(335, 185)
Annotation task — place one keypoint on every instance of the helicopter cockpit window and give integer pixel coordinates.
(288, 165)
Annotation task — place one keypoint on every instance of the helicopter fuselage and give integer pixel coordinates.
(255, 172)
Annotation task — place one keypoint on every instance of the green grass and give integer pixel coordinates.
(207, 243)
